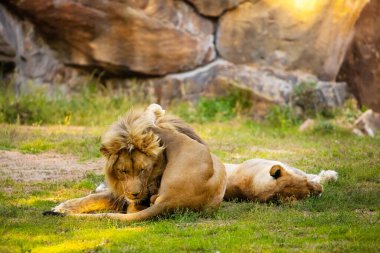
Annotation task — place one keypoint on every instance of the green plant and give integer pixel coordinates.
(345, 218)
(282, 117)
(91, 104)
(305, 95)
(324, 127)
(220, 108)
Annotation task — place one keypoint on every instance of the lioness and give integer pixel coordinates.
(155, 164)
(266, 180)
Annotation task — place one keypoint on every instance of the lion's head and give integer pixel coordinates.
(135, 155)
(290, 185)
(267, 180)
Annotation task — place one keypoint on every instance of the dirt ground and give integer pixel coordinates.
(45, 167)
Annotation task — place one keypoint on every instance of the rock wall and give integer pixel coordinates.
(184, 48)
(361, 68)
(312, 37)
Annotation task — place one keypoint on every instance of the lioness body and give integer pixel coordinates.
(266, 180)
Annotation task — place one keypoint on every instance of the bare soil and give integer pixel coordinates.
(45, 167)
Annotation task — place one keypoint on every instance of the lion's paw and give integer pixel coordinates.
(52, 213)
(63, 208)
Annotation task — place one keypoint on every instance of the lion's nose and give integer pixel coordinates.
(135, 194)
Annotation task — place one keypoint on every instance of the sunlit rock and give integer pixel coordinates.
(214, 8)
(361, 67)
(147, 37)
(367, 124)
(266, 86)
(308, 35)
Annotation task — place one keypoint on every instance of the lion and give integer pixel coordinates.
(155, 164)
(270, 181)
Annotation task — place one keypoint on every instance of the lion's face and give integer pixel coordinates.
(291, 185)
(133, 174)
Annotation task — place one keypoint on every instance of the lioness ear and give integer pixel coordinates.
(276, 171)
(104, 151)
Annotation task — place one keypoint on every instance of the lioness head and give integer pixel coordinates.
(290, 185)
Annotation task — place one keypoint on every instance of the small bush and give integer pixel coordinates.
(282, 117)
(324, 127)
(221, 108)
(92, 105)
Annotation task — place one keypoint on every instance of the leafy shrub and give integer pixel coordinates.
(91, 105)
(324, 127)
(282, 117)
(215, 109)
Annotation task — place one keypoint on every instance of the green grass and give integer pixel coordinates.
(345, 218)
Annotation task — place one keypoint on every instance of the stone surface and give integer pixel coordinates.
(7, 50)
(361, 67)
(148, 37)
(367, 124)
(307, 35)
(307, 125)
(214, 8)
(20, 45)
(266, 86)
(278, 51)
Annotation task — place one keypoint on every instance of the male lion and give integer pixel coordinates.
(155, 164)
(265, 180)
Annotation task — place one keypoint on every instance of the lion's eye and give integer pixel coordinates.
(126, 171)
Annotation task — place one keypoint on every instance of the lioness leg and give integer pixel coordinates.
(90, 203)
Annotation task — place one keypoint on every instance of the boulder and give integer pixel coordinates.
(307, 35)
(214, 8)
(367, 124)
(265, 86)
(146, 37)
(7, 50)
(22, 46)
(361, 67)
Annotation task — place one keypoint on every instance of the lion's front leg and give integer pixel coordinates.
(93, 202)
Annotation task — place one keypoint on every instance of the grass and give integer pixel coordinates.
(345, 218)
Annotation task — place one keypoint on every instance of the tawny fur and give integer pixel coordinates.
(266, 180)
(153, 158)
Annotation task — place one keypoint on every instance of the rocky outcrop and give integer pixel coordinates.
(361, 67)
(214, 8)
(367, 124)
(148, 37)
(308, 35)
(270, 48)
(20, 45)
(265, 86)
(7, 50)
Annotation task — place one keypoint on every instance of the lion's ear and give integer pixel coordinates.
(277, 171)
(104, 151)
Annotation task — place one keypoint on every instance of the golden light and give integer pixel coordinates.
(307, 10)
